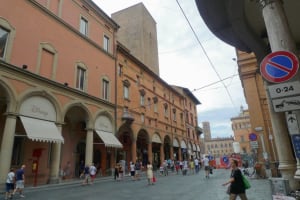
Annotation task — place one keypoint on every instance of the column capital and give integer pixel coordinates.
(11, 114)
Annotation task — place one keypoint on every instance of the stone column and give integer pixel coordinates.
(150, 159)
(133, 150)
(162, 154)
(89, 146)
(172, 152)
(280, 38)
(7, 146)
(179, 154)
(55, 160)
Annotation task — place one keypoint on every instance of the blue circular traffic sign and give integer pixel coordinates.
(279, 66)
(252, 137)
(225, 159)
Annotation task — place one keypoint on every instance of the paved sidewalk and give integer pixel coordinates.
(190, 186)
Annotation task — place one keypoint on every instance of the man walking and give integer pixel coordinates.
(196, 161)
(206, 166)
(93, 171)
(20, 180)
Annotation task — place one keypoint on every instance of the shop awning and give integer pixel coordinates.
(175, 143)
(156, 139)
(41, 130)
(109, 139)
(183, 145)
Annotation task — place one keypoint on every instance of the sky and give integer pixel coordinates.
(187, 48)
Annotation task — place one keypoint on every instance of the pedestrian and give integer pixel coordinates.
(20, 181)
(132, 170)
(121, 172)
(181, 164)
(138, 167)
(185, 168)
(161, 170)
(10, 183)
(81, 167)
(177, 167)
(93, 171)
(205, 161)
(192, 166)
(86, 174)
(165, 165)
(150, 173)
(236, 187)
(196, 161)
(116, 175)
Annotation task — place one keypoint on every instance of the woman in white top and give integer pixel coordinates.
(150, 173)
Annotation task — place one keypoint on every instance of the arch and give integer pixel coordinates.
(142, 146)
(176, 142)
(167, 147)
(102, 122)
(183, 144)
(106, 114)
(156, 138)
(43, 94)
(125, 128)
(143, 134)
(11, 93)
(77, 103)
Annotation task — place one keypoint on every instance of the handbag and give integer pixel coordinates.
(153, 179)
(246, 182)
(228, 190)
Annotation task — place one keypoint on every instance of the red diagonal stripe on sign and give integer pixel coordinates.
(279, 66)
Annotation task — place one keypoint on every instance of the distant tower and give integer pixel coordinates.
(206, 131)
(138, 33)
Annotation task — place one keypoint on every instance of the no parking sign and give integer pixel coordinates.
(279, 66)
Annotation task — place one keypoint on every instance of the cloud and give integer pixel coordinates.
(219, 119)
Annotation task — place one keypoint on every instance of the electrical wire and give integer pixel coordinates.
(215, 82)
(206, 55)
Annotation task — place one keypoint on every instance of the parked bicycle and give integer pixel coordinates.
(255, 171)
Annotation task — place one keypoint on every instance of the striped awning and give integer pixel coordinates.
(41, 130)
(109, 139)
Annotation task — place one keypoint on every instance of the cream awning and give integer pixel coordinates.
(175, 143)
(156, 139)
(109, 139)
(183, 145)
(41, 130)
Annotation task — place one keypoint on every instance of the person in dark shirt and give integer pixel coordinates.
(20, 180)
(237, 187)
(87, 176)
